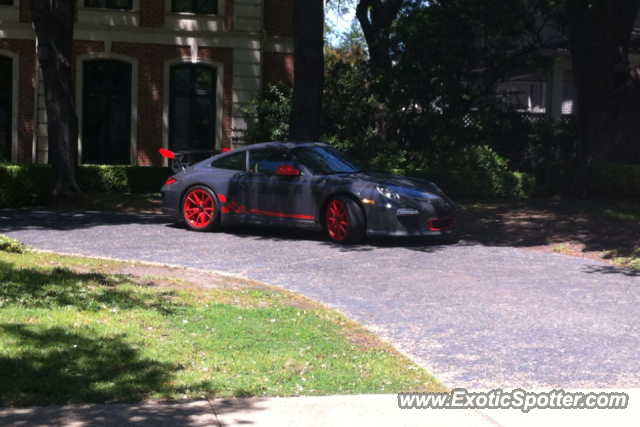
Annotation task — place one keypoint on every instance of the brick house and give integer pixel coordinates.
(148, 74)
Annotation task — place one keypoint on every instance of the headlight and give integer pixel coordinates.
(388, 193)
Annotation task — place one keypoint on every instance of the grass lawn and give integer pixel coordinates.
(71, 331)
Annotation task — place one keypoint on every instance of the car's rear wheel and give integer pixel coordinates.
(345, 221)
(201, 209)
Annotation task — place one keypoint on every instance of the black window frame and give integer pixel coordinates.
(193, 94)
(108, 4)
(266, 160)
(325, 160)
(105, 153)
(196, 8)
(222, 162)
(7, 118)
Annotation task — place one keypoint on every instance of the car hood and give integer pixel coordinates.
(405, 186)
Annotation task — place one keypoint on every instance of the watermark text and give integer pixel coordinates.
(460, 398)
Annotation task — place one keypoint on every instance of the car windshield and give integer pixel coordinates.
(325, 160)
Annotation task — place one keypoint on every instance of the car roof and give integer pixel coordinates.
(279, 144)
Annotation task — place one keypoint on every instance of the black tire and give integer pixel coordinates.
(345, 222)
(200, 209)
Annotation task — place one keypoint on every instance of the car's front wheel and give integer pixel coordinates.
(345, 221)
(201, 209)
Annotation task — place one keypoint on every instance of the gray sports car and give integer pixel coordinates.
(305, 185)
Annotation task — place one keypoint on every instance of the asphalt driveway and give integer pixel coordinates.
(476, 316)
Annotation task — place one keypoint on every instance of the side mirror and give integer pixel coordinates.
(287, 170)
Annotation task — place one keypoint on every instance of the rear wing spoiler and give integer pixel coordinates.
(180, 160)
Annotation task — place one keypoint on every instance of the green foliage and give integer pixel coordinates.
(31, 184)
(626, 258)
(7, 244)
(479, 184)
(25, 185)
(473, 158)
(268, 115)
(349, 105)
(615, 180)
(122, 178)
(450, 56)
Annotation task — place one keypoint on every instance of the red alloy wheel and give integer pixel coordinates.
(199, 208)
(337, 220)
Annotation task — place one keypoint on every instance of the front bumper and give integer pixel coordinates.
(411, 218)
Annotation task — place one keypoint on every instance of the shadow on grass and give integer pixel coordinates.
(56, 366)
(158, 414)
(61, 287)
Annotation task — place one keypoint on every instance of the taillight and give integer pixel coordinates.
(171, 181)
(441, 224)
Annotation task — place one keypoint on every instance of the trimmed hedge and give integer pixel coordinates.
(615, 180)
(25, 185)
(31, 184)
(122, 179)
(478, 184)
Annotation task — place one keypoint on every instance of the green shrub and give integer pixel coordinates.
(479, 184)
(7, 244)
(102, 179)
(122, 178)
(268, 115)
(553, 178)
(472, 158)
(615, 180)
(25, 185)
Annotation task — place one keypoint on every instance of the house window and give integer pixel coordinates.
(110, 4)
(6, 2)
(6, 103)
(106, 112)
(195, 6)
(192, 107)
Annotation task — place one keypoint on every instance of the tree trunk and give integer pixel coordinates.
(626, 145)
(53, 22)
(308, 80)
(376, 18)
(599, 35)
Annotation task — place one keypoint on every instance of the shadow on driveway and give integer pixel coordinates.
(610, 269)
(26, 219)
(273, 234)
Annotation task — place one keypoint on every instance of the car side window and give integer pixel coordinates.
(233, 161)
(267, 160)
